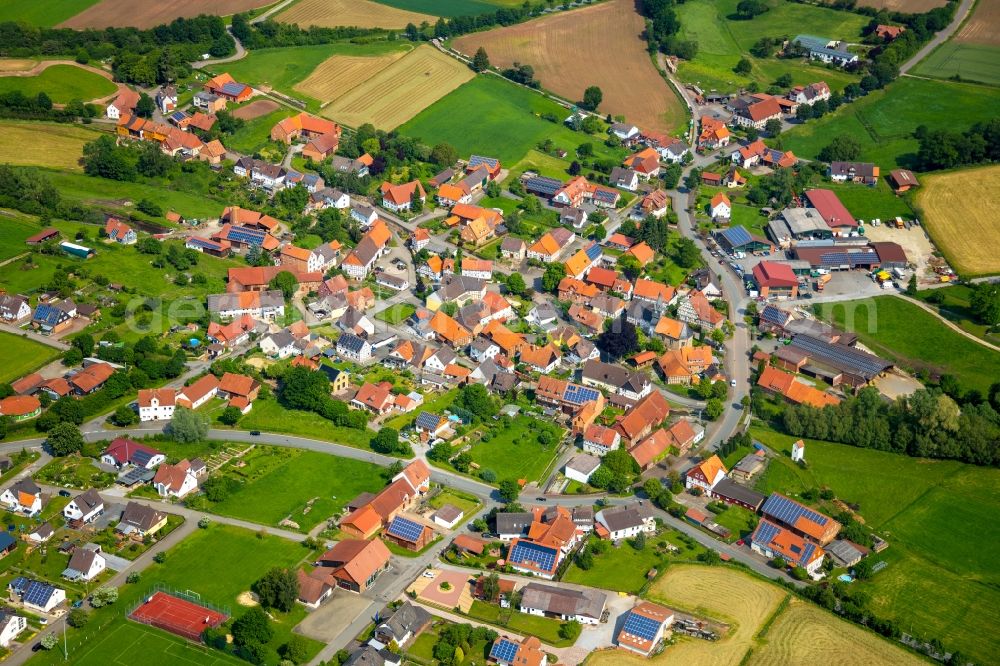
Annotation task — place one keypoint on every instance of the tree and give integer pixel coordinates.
(85, 343)
(145, 107)
(285, 282)
(253, 627)
(804, 112)
(64, 439)
(187, 426)
(480, 61)
(778, 563)
(230, 415)
(843, 148)
(491, 587)
(985, 303)
(570, 630)
(911, 286)
(619, 340)
(516, 285)
(102, 157)
(444, 154)
(124, 416)
(592, 97)
(278, 588)
(773, 127)
(784, 81)
(714, 409)
(574, 168)
(49, 641)
(78, 618)
(554, 273)
(416, 203)
(476, 399)
(686, 253)
(747, 9)
(709, 557)
(296, 649)
(639, 542)
(509, 490)
(72, 356)
(104, 596)
(385, 440)
(743, 67)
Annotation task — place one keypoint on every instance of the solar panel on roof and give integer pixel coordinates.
(504, 650)
(851, 358)
(736, 236)
(593, 252)
(542, 557)
(37, 593)
(789, 512)
(544, 185)
(405, 529)
(428, 421)
(578, 395)
(641, 626)
(476, 160)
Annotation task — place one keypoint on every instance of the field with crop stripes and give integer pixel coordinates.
(400, 91)
(359, 13)
(339, 74)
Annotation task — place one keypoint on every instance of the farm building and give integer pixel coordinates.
(800, 519)
(851, 366)
(737, 239)
(775, 280)
(644, 627)
(902, 180)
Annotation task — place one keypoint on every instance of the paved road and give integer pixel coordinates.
(239, 55)
(37, 337)
(940, 38)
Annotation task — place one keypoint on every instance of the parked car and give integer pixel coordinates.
(65, 493)
(255, 433)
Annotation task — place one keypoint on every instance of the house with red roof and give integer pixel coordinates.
(117, 231)
(776, 280)
(756, 114)
(123, 451)
(399, 198)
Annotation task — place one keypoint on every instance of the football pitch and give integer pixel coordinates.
(121, 645)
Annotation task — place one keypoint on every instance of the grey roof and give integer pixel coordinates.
(841, 357)
(81, 560)
(351, 318)
(844, 551)
(282, 339)
(88, 500)
(140, 516)
(621, 175)
(623, 517)
(407, 619)
(583, 463)
(584, 348)
(801, 221)
(512, 244)
(44, 531)
(366, 656)
(10, 304)
(727, 488)
(853, 169)
(449, 513)
(455, 286)
(749, 464)
(26, 485)
(615, 375)
(513, 523)
(561, 601)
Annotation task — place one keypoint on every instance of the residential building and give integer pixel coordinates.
(85, 507)
(581, 467)
(584, 606)
(720, 208)
(775, 280)
(35, 595)
(771, 540)
(643, 417)
(176, 480)
(827, 50)
(14, 308)
(527, 556)
(86, 563)
(864, 173)
(810, 94)
(398, 198)
(706, 474)
(123, 452)
(11, 627)
(508, 652)
(23, 497)
(156, 404)
(624, 521)
(408, 534)
(122, 105)
(20, 407)
(401, 626)
(140, 521)
(800, 519)
(599, 440)
(644, 627)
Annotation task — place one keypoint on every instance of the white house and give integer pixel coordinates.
(355, 348)
(36, 595)
(584, 606)
(175, 480)
(798, 451)
(85, 563)
(626, 133)
(721, 208)
(156, 404)
(166, 99)
(265, 305)
(279, 345)
(24, 497)
(10, 627)
(448, 516)
(706, 474)
(581, 468)
(599, 440)
(622, 522)
(85, 507)
(14, 308)
(627, 179)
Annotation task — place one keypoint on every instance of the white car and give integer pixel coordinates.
(732, 382)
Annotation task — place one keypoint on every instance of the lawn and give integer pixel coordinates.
(970, 62)
(268, 416)
(546, 629)
(396, 313)
(621, 568)
(89, 189)
(884, 121)
(62, 83)
(916, 340)
(58, 145)
(868, 203)
(306, 487)
(256, 133)
(435, 404)
(43, 13)
(117, 647)
(22, 355)
(956, 309)
(516, 453)
(739, 521)
(13, 230)
(722, 42)
(508, 120)
(936, 515)
(74, 472)
(467, 503)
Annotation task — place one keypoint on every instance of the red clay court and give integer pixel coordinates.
(176, 615)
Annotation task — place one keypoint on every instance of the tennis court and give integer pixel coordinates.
(122, 644)
(178, 616)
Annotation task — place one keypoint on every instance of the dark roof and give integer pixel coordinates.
(625, 516)
(513, 523)
(407, 619)
(729, 489)
(351, 342)
(842, 357)
(561, 601)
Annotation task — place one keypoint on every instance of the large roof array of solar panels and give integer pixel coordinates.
(789, 512)
(842, 357)
(541, 556)
(405, 528)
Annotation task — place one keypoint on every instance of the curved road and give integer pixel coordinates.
(940, 38)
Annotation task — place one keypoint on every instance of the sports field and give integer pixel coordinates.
(400, 91)
(958, 214)
(126, 13)
(307, 487)
(802, 632)
(552, 46)
(507, 118)
(722, 42)
(62, 83)
(119, 646)
(22, 356)
(884, 121)
(358, 13)
(55, 144)
(42, 13)
(935, 514)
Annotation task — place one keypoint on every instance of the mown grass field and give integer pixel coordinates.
(62, 83)
(119, 645)
(936, 514)
(358, 13)
(622, 568)
(400, 91)
(507, 120)
(969, 62)
(268, 416)
(306, 487)
(256, 133)
(112, 193)
(22, 356)
(957, 214)
(629, 81)
(43, 13)
(14, 228)
(957, 309)
(722, 42)
(56, 145)
(803, 631)
(884, 121)
(867, 203)
(515, 453)
(915, 339)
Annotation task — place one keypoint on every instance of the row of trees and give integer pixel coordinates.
(945, 148)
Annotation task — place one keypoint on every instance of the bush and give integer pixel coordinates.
(78, 618)
(160, 557)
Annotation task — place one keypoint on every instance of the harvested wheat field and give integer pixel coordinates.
(53, 145)
(256, 109)
(909, 6)
(16, 64)
(720, 593)
(400, 91)
(959, 216)
(128, 13)
(804, 634)
(599, 45)
(984, 26)
(338, 74)
(358, 13)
